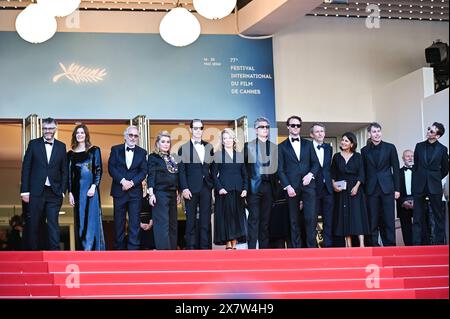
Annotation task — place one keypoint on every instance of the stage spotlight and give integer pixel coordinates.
(437, 56)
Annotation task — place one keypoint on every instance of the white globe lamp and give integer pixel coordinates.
(179, 27)
(214, 9)
(35, 25)
(59, 8)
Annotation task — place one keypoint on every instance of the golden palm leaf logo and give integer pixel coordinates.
(80, 74)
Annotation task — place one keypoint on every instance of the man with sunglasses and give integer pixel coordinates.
(127, 166)
(44, 182)
(297, 167)
(196, 183)
(261, 163)
(430, 167)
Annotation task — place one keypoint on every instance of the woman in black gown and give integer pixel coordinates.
(231, 184)
(85, 173)
(350, 213)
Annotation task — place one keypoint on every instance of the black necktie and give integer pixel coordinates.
(319, 146)
(130, 149)
(49, 143)
(295, 140)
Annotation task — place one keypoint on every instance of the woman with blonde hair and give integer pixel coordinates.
(162, 182)
(231, 184)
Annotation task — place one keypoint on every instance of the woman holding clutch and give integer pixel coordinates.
(347, 173)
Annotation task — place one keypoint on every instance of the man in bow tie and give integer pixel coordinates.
(127, 166)
(405, 202)
(44, 182)
(196, 183)
(297, 167)
(324, 186)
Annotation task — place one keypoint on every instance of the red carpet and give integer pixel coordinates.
(336, 273)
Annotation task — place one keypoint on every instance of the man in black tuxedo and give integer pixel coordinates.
(44, 182)
(382, 185)
(127, 166)
(430, 167)
(196, 183)
(324, 186)
(261, 159)
(297, 167)
(405, 203)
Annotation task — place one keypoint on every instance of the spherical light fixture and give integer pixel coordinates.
(35, 25)
(179, 27)
(59, 8)
(214, 9)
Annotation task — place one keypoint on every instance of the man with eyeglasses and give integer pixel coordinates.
(382, 169)
(430, 167)
(297, 167)
(127, 166)
(262, 163)
(44, 182)
(196, 183)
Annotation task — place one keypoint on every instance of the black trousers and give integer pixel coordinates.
(381, 209)
(406, 222)
(201, 203)
(436, 220)
(308, 196)
(259, 207)
(324, 206)
(165, 225)
(45, 207)
(133, 206)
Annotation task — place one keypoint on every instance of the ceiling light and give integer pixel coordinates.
(59, 8)
(179, 27)
(35, 25)
(214, 9)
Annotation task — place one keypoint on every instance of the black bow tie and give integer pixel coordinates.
(49, 143)
(197, 143)
(295, 140)
(408, 168)
(130, 149)
(319, 146)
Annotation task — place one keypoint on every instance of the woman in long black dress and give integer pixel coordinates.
(162, 184)
(350, 213)
(85, 173)
(231, 184)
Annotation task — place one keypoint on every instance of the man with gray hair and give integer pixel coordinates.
(261, 159)
(127, 166)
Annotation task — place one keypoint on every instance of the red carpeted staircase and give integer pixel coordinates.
(333, 273)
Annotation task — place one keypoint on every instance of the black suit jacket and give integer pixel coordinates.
(261, 160)
(429, 173)
(324, 173)
(230, 175)
(385, 171)
(192, 172)
(159, 178)
(403, 196)
(35, 168)
(290, 170)
(117, 168)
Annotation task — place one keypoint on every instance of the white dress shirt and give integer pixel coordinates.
(296, 146)
(200, 148)
(408, 175)
(48, 151)
(129, 156)
(320, 153)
